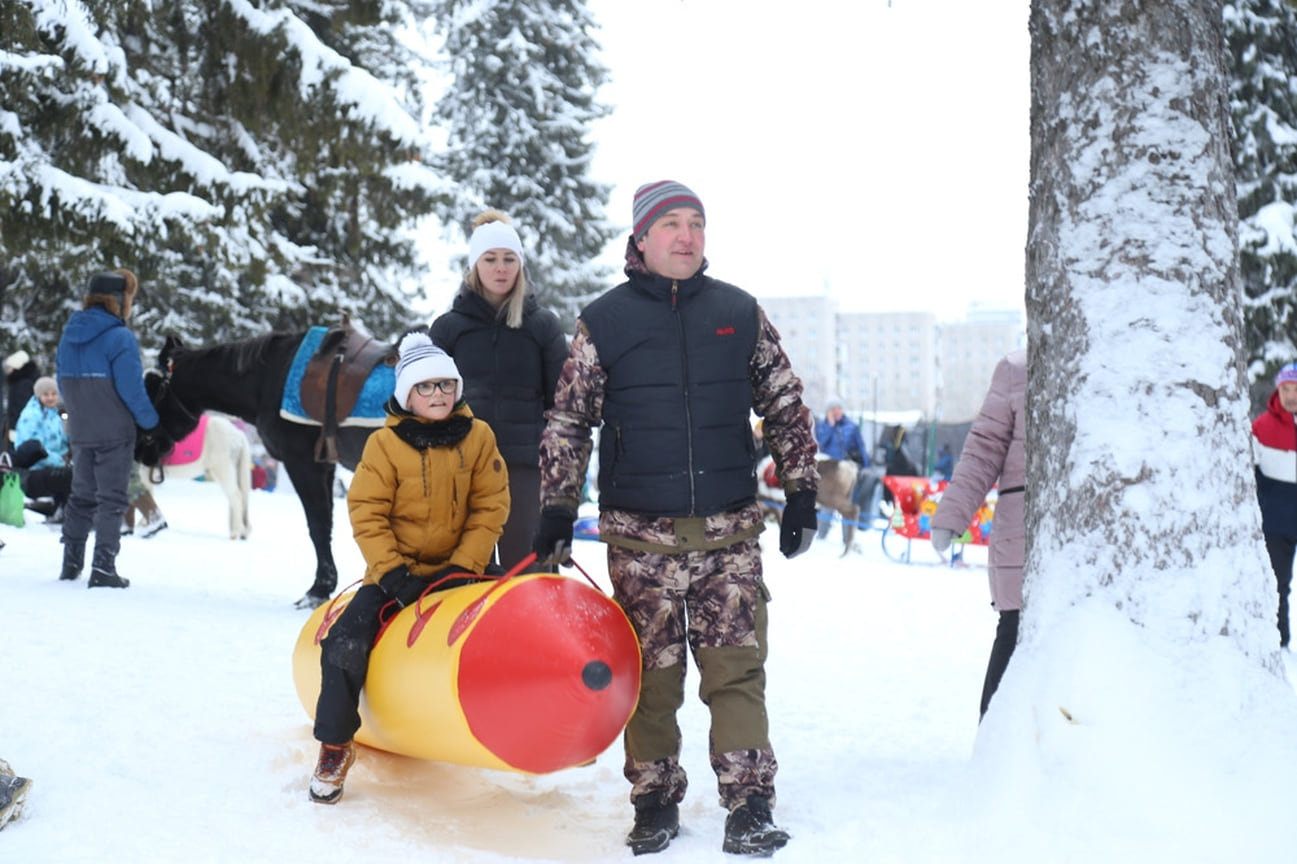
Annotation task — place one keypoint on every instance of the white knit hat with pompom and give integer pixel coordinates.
(420, 360)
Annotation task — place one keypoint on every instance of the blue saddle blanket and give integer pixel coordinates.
(368, 410)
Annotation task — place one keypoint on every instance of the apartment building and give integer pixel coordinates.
(808, 329)
(968, 352)
(890, 362)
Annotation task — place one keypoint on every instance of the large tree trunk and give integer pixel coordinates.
(1133, 224)
(1148, 659)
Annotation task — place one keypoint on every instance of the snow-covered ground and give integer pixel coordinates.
(160, 723)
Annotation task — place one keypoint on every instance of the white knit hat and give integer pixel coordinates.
(17, 360)
(492, 235)
(420, 360)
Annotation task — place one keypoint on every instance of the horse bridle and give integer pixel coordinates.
(156, 473)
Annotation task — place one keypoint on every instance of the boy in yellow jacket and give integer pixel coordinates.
(428, 502)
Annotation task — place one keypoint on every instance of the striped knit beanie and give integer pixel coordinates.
(1287, 373)
(420, 360)
(654, 199)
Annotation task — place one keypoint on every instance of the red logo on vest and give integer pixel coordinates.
(724, 331)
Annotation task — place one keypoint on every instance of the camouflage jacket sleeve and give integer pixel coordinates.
(578, 406)
(777, 397)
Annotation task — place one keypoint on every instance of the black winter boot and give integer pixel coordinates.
(103, 572)
(74, 559)
(100, 578)
(655, 824)
(750, 829)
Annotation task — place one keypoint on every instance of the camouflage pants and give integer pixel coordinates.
(714, 602)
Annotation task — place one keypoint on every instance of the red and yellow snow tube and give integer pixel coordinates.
(529, 673)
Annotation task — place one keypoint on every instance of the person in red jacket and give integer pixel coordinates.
(1274, 452)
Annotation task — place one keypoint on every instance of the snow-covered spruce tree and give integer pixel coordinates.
(517, 114)
(1262, 38)
(256, 166)
(1148, 660)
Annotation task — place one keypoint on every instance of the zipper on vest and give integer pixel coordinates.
(684, 387)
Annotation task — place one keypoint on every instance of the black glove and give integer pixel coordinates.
(29, 453)
(449, 572)
(553, 541)
(797, 528)
(402, 586)
(148, 449)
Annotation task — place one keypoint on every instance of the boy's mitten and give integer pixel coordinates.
(403, 587)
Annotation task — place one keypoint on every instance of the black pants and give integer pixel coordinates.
(524, 515)
(53, 483)
(344, 663)
(1281, 551)
(1006, 637)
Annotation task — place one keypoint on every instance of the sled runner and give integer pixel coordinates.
(914, 502)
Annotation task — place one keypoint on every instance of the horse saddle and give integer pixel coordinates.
(334, 378)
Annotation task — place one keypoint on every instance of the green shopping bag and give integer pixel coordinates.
(12, 499)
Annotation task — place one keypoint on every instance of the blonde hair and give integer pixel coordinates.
(511, 309)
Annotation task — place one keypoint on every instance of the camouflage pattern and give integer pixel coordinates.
(578, 406)
(665, 534)
(713, 602)
(787, 423)
(688, 582)
(740, 773)
(720, 590)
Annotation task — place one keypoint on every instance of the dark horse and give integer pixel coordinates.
(246, 379)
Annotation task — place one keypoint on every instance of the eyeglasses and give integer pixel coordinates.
(427, 388)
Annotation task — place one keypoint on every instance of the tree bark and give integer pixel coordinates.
(1133, 214)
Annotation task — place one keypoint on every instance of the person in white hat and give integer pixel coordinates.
(509, 350)
(418, 526)
(21, 373)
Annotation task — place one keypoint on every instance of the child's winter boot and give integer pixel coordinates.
(330, 772)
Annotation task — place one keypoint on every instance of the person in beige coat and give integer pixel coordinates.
(994, 453)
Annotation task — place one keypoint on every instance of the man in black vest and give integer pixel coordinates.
(670, 365)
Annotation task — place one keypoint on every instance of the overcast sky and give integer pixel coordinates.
(875, 150)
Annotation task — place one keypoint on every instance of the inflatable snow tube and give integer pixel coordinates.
(531, 673)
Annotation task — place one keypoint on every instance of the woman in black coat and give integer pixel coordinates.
(509, 351)
(21, 373)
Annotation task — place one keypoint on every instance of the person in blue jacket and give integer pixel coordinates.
(838, 437)
(41, 421)
(944, 467)
(102, 381)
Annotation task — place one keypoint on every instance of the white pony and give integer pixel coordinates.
(225, 457)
